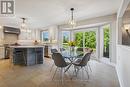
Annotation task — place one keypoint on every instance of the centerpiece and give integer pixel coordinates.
(72, 45)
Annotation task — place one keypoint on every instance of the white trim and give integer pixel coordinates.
(122, 8)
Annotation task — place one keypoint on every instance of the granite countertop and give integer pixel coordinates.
(26, 46)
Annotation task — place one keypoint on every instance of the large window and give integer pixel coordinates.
(86, 39)
(106, 31)
(90, 39)
(65, 38)
(79, 39)
(45, 36)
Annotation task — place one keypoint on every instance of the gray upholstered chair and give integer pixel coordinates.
(53, 51)
(62, 49)
(60, 63)
(80, 64)
(80, 50)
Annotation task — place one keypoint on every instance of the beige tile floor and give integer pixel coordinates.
(102, 75)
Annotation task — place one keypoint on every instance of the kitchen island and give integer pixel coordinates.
(27, 55)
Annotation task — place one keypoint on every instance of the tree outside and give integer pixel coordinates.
(89, 39)
(106, 41)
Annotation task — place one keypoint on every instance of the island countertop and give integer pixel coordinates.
(27, 46)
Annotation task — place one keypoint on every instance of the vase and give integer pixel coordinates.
(72, 48)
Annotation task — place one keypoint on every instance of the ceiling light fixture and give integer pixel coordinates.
(72, 22)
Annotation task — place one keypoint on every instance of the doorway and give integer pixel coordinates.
(86, 39)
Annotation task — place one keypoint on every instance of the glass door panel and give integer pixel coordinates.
(90, 39)
(65, 38)
(79, 39)
(106, 31)
(90, 42)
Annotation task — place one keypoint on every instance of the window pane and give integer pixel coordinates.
(45, 36)
(79, 39)
(65, 38)
(90, 39)
(106, 29)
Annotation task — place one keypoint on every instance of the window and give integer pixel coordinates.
(45, 36)
(79, 39)
(106, 31)
(90, 39)
(65, 38)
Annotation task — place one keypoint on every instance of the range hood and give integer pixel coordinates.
(11, 30)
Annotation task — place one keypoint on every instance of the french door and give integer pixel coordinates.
(86, 38)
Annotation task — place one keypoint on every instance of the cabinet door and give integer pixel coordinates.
(2, 52)
(1, 36)
(31, 60)
(39, 55)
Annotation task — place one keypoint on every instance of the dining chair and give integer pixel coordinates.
(60, 63)
(90, 51)
(53, 51)
(80, 50)
(62, 49)
(80, 64)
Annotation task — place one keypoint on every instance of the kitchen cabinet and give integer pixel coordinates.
(2, 52)
(1, 36)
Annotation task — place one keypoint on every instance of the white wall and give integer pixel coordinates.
(123, 52)
(123, 65)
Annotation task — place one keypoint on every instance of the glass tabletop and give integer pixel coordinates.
(72, 54)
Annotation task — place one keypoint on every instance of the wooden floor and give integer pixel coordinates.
(102, 75)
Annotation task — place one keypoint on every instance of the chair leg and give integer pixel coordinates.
(86, 71)
(52, 67)
(62, 75)
(82, 74)
(89, 67)
(67, 68)
(54, 73)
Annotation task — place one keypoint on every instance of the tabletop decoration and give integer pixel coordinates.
(72, 45)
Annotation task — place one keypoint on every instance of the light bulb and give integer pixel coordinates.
(23, 25)
(72, 23)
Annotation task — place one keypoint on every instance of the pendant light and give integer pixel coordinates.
(23, 25)
(72, 22)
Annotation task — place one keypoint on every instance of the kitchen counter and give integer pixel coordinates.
(27, 55)
(26, 46)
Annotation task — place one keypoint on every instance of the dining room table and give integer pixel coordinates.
(71, 56)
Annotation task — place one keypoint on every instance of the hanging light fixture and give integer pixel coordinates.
(72, 22)
(23, 25)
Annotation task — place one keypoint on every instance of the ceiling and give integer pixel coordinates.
(42, 13)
